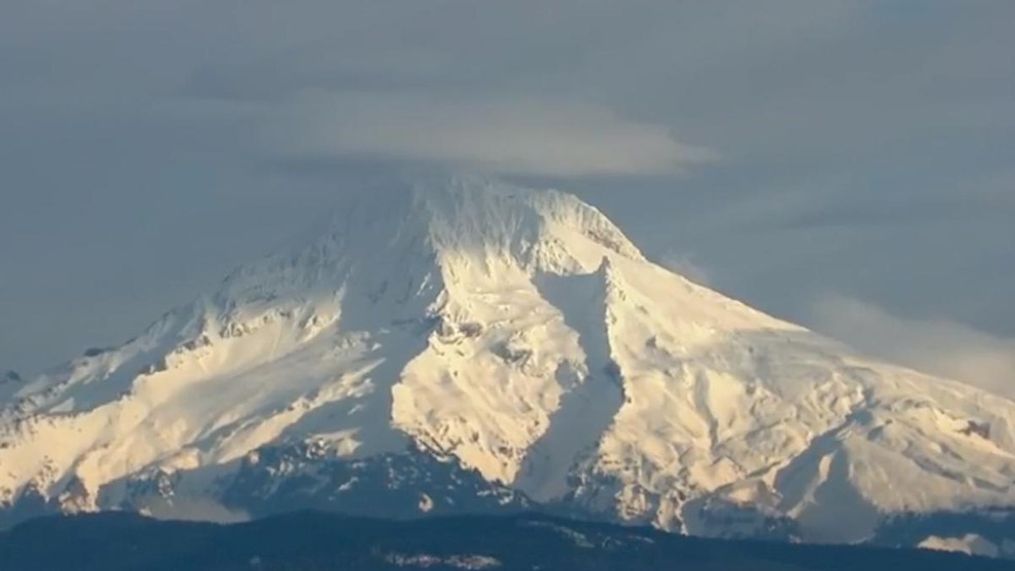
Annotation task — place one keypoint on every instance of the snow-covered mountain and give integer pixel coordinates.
(475, 346)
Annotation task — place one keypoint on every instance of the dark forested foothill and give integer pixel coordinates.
(315, 541)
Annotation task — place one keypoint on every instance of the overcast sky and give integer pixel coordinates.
(847, 165)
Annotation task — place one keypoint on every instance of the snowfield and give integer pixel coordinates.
(518, 341)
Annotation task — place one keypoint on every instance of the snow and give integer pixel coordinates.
(522, 334)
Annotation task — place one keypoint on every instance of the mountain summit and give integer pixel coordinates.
(474, 346)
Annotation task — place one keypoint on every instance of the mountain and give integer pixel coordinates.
(470, 346)
(312, 541)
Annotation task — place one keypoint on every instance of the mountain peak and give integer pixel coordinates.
(452, 222)
(472, 213)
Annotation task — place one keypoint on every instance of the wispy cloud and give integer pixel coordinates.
(511, 136)
(192, 509)
(939, 347)
(687, 266)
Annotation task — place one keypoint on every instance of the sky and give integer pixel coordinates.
(846, 165)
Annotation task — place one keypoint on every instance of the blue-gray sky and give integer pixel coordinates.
(848, 165)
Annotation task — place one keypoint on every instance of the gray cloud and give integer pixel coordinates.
(865, 147)
(935, 346)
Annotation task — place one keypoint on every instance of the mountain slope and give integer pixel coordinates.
(517, 347)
